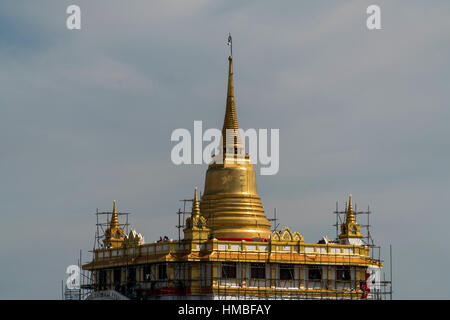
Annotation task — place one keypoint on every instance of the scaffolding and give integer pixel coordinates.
(368, 241)
(289, 279)
(182, 216)
(237, 272)
(84, 287)
(87, 283)
(274, 221)
(103, 222)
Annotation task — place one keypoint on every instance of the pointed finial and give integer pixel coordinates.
(230, 120)
(350, 229)
(230, 43)
(114, 218)
(350, 212)
(195, 205)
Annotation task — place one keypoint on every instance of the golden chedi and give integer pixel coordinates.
(212, 263)
(350, 229)
(230, 202)
(196, 225)
(114, 234)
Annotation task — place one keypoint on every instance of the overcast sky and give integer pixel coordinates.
(86, 118)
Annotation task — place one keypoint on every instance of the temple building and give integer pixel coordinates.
(229, 250)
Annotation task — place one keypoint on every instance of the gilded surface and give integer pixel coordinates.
(114, 234)
(230, 202)
(350, 229)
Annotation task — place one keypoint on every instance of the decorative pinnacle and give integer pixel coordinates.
(350, 212)
(114, 218)
(230, 122)
(195, 205)
(230, 43)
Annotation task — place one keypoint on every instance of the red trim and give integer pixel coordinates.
(165, 291)
(365, 288)
(240, 239)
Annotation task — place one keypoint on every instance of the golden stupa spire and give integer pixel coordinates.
(196, 225)
(350, 229)
(114, 234)
(350, 212)
(195, 205)
(230, 120)
(114, 218)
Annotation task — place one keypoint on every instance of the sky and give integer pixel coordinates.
(86, 118)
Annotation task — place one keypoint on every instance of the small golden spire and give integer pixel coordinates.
(114, 218)
(195, 205)
(350, 212)
(350, 229)
(196, 225)
(114, 234)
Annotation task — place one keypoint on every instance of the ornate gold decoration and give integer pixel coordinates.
(275, 236)
(298, 237)
(350, 229)
(114, 234)
(133, 239)
(196, 224)
(286, 235)
(230, 202)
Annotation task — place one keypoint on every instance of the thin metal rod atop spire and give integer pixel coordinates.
(230, 43)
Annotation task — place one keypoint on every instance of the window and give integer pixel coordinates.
(102, 279)
(147, 273)
(131, 274)
(343, 273)
(258, 271)
(229, 270)
(286, 272)
(180, 271)
(162, 271)
(315, 273)
(117, 276)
